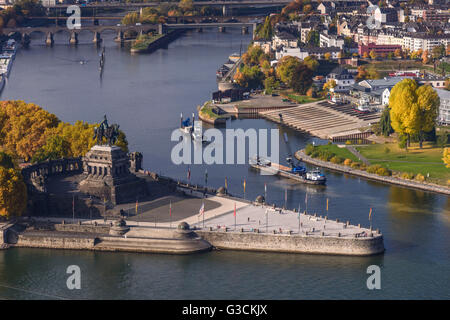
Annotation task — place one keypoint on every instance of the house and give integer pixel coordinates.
(327, 40)
(444, 107)
(423, 41)
(376, 91)
(344, 80)
(284, 39)
(386, 15)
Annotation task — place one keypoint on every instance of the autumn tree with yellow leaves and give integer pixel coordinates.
(13, 192)
(413, 109)
(23, 126)
(446, 157)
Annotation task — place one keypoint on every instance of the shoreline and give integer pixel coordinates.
(301, 156)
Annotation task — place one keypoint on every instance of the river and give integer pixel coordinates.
(145, 95)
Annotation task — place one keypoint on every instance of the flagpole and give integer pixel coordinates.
(73, 208)
(285, 198)
(203, 203)
(235, 216)
(267, 221)
(170, 213)
(265, 193)
(299, 218)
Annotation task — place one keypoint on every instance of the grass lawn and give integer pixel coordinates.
(206, 111)
(340, 152)
(416, 160)
(298, 98)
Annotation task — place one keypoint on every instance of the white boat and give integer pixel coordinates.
(197, 133)
(315, 175)
(5, 65)
(10, 47)
(2, 82)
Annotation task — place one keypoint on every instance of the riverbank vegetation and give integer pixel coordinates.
(209, 112)
(143, 41)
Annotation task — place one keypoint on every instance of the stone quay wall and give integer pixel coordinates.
(55, 241)
(300, 155)
(251, 241)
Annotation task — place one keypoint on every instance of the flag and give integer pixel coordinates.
(285, 195)
(226, 183)
(189, 174)
(235, 209)
(136, 206)
(370, 213)
(265, 187)
(327, 204)
(170, 208)
(244, 185)
(73, 203)
(306, 198)
(202, 209)
(206, 176)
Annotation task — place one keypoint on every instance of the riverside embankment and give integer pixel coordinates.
(153, 43)
(300, 155)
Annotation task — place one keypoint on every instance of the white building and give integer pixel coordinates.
(444, 107)
(327, 40)
(344, 80)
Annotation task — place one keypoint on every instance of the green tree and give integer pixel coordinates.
(286, 67)
(385, 122)
(438, 52)
(266, 31)
(313, 38)
(311, 62)
(270, 83)
(301, 79)
(56, 147)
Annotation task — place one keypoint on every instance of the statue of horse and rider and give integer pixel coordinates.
(111, 133)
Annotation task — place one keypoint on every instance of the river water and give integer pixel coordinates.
(145, 95)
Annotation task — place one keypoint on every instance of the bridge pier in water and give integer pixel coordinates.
(49, 39)
(73, 38)
(119, 36)
(97, 39)
(25, 40)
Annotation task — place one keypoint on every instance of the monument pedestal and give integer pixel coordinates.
(107, 175)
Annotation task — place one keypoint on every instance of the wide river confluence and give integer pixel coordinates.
(145, 95)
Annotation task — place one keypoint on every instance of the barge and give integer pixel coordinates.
(314, 177)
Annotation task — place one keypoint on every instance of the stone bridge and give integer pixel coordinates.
(73, 33)
(97, 30)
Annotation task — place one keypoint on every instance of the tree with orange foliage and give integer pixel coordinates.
(23, 126)
(425, 57)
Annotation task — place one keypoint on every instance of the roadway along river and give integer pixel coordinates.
(145, 95)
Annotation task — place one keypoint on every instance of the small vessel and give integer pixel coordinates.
(102, 59)
(2, 82)
(197, 133)
(186, 126)
(314, 177)
(5, 65)
(10, 47)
